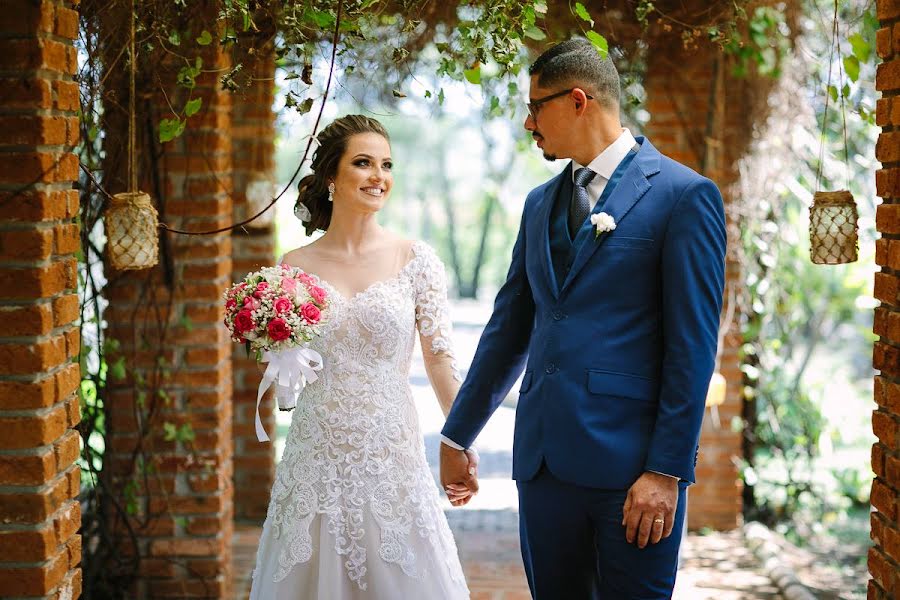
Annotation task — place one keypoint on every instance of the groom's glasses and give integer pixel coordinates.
(534, 106)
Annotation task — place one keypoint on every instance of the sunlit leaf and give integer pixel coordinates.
(169, 129)
(192, 107)
(205, 38)
(583, 13)
(473, 75)
(861, 48)
(599, 43)
(535, 33)
(851, 66)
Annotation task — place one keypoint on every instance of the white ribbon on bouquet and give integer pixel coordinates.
(290, 370)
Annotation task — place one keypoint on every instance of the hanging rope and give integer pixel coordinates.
(835, 48)
(132, 160)
(335, 39)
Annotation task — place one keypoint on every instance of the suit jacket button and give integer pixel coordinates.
(551, 369)
(558, 315)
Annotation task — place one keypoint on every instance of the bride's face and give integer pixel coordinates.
(364, 179)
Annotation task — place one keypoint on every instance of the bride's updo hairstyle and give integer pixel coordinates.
(313, 189)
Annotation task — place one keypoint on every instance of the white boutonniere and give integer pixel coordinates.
(602, 223)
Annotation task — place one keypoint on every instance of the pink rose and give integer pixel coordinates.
(311, 313)
(285, 267)
(289, 285)
(243, 321)
(230, 304)
(304, 278)
(282, 304)
(317, 293)
(251, 303)
(278, 330)
(261, 287)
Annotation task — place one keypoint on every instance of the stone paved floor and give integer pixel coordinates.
(715, 566)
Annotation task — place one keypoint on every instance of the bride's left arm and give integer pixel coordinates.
(434, 325)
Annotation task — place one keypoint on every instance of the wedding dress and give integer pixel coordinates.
(354, 511)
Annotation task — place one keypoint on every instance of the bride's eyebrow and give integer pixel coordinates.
(370, 157)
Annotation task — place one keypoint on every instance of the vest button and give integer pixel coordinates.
(558, 315)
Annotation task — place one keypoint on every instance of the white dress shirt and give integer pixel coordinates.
(604, 164)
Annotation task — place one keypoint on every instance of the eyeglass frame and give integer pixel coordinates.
(534, 105)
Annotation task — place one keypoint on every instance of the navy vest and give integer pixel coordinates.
(563, 248)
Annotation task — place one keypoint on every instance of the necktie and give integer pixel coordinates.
(580, 207)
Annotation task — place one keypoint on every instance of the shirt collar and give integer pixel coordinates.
(606, 162)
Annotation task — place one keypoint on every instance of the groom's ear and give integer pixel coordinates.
(580, 97)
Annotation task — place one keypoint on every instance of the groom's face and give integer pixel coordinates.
(549, 121)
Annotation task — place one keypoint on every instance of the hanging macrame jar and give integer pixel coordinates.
(833, 236)
(259, 193)
(132, 231)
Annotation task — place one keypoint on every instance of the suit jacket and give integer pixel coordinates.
(618, 355)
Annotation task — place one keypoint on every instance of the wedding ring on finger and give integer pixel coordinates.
(658, 521)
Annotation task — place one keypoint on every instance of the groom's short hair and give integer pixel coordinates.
(576, 63)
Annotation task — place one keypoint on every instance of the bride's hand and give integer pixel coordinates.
(458, 474)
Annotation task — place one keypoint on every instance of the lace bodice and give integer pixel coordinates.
(354, 451)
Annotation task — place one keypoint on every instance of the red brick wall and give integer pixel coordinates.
(253, 143)
(173, 314)
(40, 549)
(884, 557)
(678, 89)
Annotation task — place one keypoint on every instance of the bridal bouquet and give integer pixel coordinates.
(275, 312)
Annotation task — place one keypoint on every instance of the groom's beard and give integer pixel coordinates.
(547, 156)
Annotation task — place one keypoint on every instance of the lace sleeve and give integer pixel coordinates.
(434, 325)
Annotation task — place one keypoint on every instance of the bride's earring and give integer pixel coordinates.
(331, 192)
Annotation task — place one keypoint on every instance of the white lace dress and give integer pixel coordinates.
(354, 511)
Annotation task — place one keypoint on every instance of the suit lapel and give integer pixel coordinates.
(633, 185)
(550, 195)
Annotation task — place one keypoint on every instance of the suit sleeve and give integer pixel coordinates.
(501, 352)
(693, 282)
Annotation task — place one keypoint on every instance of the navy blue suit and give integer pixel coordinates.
(617, 336)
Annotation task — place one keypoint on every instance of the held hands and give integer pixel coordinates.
(649, 511)
(459, 474)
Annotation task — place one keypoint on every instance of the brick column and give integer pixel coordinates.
(177, 353)
(884, 557)
(253, 140)
(680, 86)
(40, 549)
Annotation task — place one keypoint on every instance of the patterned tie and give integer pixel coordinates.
(581, 202)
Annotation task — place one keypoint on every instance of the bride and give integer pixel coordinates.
(354, 511)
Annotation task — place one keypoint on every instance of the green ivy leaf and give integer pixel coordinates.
(833, 92)
(473, 75)
(117, 369)
(398, 94)
(191, 108)
(851, 66)
(540, 7)
(845, 91)
(535, 34)
(861, 48)
(305, 106)
(169, 129)
(174, 38)
(583, 13)
(205, 38)
(599, 43)
(170, 431)
(441, 97)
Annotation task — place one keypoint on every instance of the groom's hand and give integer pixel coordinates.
(649, 511)
(459, 471)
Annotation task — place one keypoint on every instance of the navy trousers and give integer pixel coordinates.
(574, 547)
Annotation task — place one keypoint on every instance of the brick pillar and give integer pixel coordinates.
(177, 353)
(40, 549)
(884, 557)
(680, 85)
(253, 137)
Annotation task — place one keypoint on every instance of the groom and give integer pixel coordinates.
(612, 306)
